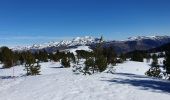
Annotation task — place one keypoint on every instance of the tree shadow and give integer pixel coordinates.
(8, 77)
(132, 75)
(142, 82)
(57, 67)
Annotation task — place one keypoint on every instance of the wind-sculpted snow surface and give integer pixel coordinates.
(56, 83)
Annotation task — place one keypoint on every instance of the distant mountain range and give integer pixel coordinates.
(162, 48)
(138, 43)
(131, 44)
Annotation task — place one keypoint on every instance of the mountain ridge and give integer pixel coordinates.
(121, 46)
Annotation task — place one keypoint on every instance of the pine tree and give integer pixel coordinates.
(110, 54)
(148, 57)
(122, 57)
(101, 63)
(137, 56)
(89, 66)
(30, 67)
(154, 71)
(167, 64)
(43, 56)
(7, 57)
(35, 69)
(29, 62)
(65, 62)
(72, 58)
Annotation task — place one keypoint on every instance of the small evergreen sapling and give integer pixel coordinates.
(35, 70)
(155, 70)
(30, 66)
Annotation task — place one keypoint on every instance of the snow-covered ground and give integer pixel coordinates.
(73, 50)
(55, 83)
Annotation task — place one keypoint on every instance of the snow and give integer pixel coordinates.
(56, 83)
(73, 50)
(147, 37)
(74, 42)
(132, 67)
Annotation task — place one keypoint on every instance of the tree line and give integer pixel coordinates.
(99, 60)
(155, 70)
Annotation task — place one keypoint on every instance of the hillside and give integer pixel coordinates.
(165, 47)
(55, 83)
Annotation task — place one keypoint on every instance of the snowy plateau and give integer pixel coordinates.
(56, 83)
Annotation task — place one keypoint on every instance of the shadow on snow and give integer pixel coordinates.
(143, 82)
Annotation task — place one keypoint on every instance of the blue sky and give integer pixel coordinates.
(37, 21)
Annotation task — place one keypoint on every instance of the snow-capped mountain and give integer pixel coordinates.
(131, 44)
(147, 37)
(87, 40)
(138, 43)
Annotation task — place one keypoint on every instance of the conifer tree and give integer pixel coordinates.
(65, 62)
(35, 69)
(72, 57)
(29, 62)
(123, 57)
(167, 64)
(89, 66)
(137, 56)
(154, 71)
(101, 63)
(148, 57)
(30, 66)
(7, 57)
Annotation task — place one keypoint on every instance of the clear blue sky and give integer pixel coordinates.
(36, 21)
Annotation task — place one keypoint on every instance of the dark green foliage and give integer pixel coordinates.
(148, 57)
(41, 56)
(7, 57)
(98, 60)
(71, 57)
(65, 62)
(58, 55)
(35, 69)
(155, 61)
(30, 66)
(122, 57)
(89, 66)
(101, 63)
(29, 62)
(167, 63)
(82, 54)
(110, 55)
(102, 57)
(155, 70)
(22, 57)
(137, 56)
